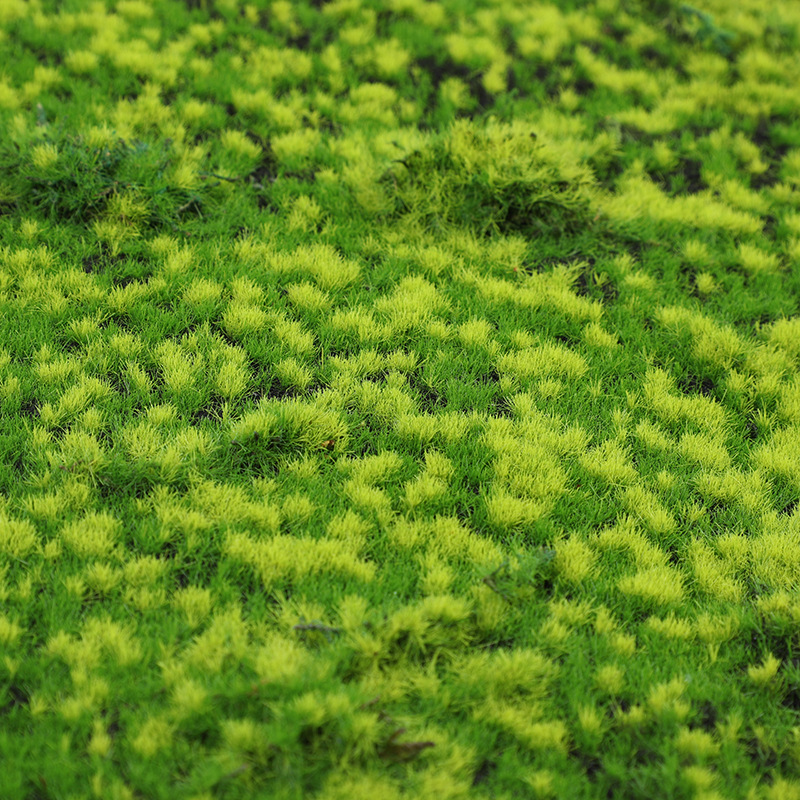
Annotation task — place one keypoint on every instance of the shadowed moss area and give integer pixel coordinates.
(399, 399)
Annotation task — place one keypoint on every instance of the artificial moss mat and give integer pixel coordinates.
(399, 400)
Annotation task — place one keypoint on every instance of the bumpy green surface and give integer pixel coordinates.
(399, 399)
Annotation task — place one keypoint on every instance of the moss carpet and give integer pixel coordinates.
(399, 400)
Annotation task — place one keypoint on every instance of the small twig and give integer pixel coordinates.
(195, 200)
(214, 175)
(315, 626)
(402, 751)
(489, 580)
(235, 773)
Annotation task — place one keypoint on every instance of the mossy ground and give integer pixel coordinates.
(399, 399)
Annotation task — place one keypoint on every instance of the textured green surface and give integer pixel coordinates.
(399, 400)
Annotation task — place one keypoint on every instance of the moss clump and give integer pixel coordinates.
(496, 178)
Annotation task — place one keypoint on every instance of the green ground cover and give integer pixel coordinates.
(399, 399)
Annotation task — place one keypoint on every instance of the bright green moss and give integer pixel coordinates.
(399, 399)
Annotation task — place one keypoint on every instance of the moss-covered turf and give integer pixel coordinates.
(399, 400)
